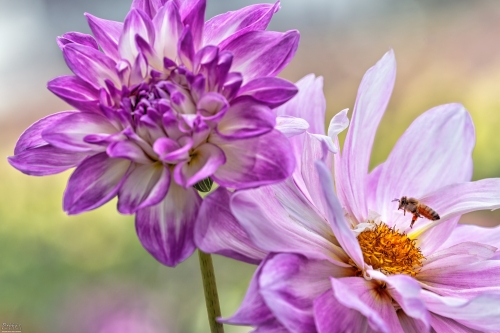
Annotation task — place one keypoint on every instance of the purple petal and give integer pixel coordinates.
(452, 201)
(146, 185)
(69, 132)
(441, 157)
(246, 118)
(32, 136)
(364, 296)
(185, 48)
(128, 150)
(372, 99)
(411, 325)
(75, 92)
(136, 23)
(90, 65)
(272, 91)
(218, 231)
(481, 313)
(253, 310)
(254, 162)
(168, 29)
(212, 106)
(193, 15)
(107, 34)
(223, 28)
(279, 219)
(93, 183)
(166, 230)
(262, 53)
(45, 160)
(446, 325)
(78, 38)
(308, 104)
(204, 161)
(335, 215)
(338, 124)
(150, 7)
(291, 126)
(289, 283)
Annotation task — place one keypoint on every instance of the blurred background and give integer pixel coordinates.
(88, 273)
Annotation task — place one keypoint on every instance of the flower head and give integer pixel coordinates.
(166, 104)
(344, 259)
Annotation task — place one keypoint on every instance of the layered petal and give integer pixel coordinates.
(218, 231)
(262, 53)
(168, 28)
(271, 91)
(372, 99)
(107, 34)
(254, 162)
(93, 183)
(166, 229)
(75, 92)
(204, 162)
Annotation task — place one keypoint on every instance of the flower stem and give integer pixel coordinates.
(210, 288)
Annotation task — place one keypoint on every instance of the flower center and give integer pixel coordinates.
(389, 251)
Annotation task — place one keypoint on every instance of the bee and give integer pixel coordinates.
(417, 208)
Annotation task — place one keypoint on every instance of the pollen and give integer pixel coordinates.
(390, 251)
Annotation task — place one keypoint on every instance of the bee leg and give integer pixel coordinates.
(415, 217)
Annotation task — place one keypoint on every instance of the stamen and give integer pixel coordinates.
(389, 251)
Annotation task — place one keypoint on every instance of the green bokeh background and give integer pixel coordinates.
(88, 273)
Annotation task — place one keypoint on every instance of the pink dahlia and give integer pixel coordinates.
(343, 258)
(165, 105)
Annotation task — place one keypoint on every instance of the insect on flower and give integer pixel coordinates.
(417, 208)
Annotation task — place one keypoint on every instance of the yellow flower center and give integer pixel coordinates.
(389, 251)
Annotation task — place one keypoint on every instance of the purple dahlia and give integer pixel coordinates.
(166, 104)
(341, 257)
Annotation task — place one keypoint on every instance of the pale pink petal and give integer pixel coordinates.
(76, 92)
(146, 185)
(136, 23)
(218, 231)
(466, 232)
(289, 283)
(335, 215)
(272, 91)
(93, 183)
(166, 229)
(372, 99)
(291, 126)
(446, 325)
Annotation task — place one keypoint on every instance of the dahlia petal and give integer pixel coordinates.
(358, 294)
(150, 7)
(218, 231)
(166, 229)
(107, 34)
(406, 291)
(372, 99)
(326, 143)
(253, 162)
(332, 317)
(465, 232)
(253, 310)
(262, 53)
(75, 92)
(193, 15)
(90, 65)
(78, 38)
(441, 157)
(452, 201)
(146, 185)
(272, 91)
(136, 23)
(338, 124)
(289, 283)
(32, 136)
(171, 151)
(291, 126)
(185, 48)
(204, 161)
(309, 104)
(223, 28)
(69, 132)
(246, 118)
(212, 106)
(128, 150)
(481, 313)
(273, 326)
(168, 28)
(446, 325)
(335, 215)
(45, 160)
(93, 183)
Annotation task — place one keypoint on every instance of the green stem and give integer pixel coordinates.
(210, 288)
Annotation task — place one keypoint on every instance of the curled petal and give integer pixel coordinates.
(93, 183)
(166, 229)
(253, 162)
(271, 91)
(128, 150)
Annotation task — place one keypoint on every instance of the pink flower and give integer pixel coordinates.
(171, 104)
(343, 258)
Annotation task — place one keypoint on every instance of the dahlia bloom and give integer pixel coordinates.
(342, 258)
(166, 104)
